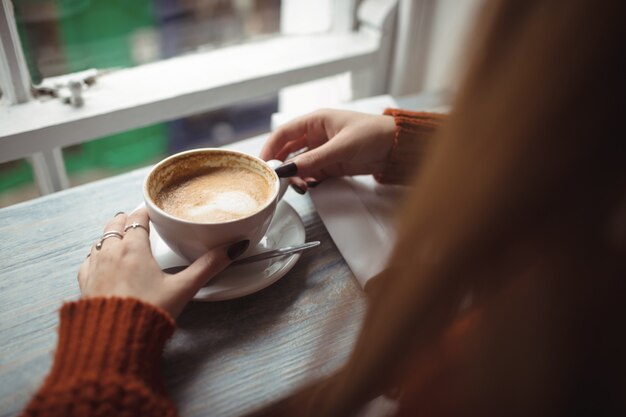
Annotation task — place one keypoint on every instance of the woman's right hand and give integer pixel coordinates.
(336, 143)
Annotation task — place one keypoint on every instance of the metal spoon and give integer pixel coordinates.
(287, 250)
(277, 252)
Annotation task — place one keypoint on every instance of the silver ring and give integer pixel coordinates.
(110, 233)
(106, 235)
(136, 225)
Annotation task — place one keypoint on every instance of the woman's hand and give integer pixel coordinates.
(125, 267)
(338, 143)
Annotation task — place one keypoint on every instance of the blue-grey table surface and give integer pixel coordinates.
(226, 358)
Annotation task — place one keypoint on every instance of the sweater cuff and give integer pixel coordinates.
(413, 133)
(123, 336)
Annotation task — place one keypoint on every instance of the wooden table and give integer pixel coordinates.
(226, 358)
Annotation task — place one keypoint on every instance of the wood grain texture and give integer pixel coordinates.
(226, 358)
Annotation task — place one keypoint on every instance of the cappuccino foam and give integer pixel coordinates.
(215, 195)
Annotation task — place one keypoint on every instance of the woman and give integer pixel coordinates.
(518, 205)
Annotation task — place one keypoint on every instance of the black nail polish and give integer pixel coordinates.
(118, 213)
(236, 249)
(287, 170)
(298, 189)
(313, 184)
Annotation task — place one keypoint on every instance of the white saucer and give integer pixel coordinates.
(236, 281)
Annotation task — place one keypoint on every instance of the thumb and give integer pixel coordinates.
(196, 275)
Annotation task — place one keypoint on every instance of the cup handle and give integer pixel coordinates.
(284, 182)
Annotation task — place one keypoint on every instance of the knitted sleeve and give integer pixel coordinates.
(107, 361)
(413, 133)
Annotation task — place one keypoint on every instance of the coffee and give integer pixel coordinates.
(216, 194)
(203, 198)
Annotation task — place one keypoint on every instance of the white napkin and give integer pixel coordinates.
(359, 215)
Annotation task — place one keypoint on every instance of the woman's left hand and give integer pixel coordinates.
(125, 267)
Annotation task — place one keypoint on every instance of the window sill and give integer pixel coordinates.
(178, 87)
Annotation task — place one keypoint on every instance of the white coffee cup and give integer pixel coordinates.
(191, 239)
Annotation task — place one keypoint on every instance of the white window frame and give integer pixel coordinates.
(360, 43)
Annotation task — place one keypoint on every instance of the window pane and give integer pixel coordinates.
(136, 148)
(63, 36)
(16, 182)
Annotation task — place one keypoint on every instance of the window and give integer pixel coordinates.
(169, 67)
(66, 36)
(60, 37)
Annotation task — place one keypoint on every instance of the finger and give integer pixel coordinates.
(319, 178)
(316, 160)
(116, 224)
(137, 228)
(206, 267)
(311, 182)
(290, 148)
(298, 185)
(310, 127)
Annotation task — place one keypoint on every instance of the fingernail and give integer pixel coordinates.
(298, 189)
(313, 184)
(287, 170)
(236, 249)
(118, 213)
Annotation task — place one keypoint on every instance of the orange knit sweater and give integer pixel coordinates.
(107, 361)
(413, 131)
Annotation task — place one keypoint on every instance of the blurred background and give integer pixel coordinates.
(66, 36)
(61, 37)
